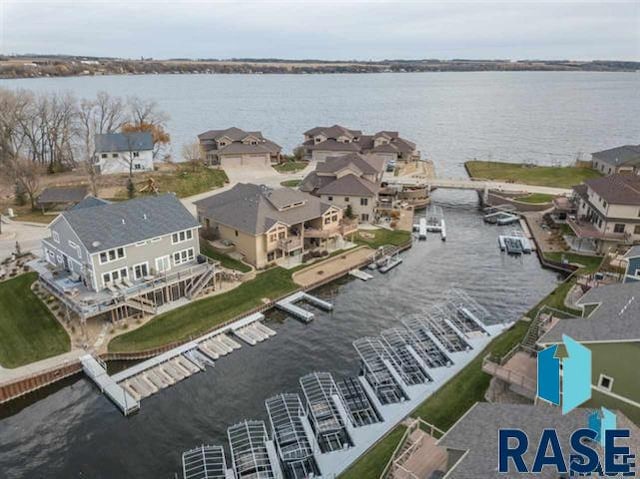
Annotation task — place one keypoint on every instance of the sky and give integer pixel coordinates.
(329, 30)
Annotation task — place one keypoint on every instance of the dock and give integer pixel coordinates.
(97, 372)
(364, 276)
(288, 305)
(515, 243)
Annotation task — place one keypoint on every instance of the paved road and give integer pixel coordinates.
(27, 234)
(466, 184)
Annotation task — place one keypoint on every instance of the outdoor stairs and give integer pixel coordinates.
(196, 287)
(141, 304)
(533, 334)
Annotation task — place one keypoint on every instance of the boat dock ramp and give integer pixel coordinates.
(515, 243)
(501, 215)
(288, 305)
(127, 388)
(323, 428)
(432, 222)
(363, 275)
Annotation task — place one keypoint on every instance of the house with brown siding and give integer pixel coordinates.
(236, 147)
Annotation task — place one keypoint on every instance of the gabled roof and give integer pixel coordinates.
(350, 185)
(236, 136)
(90, 202)
(136, 141)
(626, 155)
(368, 164)
(334, 145)
(476, 433)
(634, 252)
(62, 194)
(313, 182)
(616, 318)
(254, 209)
(618, 189)
(233, 133)
(238, 148)
(333, 131)
(112, 225)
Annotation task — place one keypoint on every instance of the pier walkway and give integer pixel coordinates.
(98, 374)
(477, 185)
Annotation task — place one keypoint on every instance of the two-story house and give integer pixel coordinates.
(119, 257)
(236, 147)
(351, 182)
(323, 142)
(621, 159)
(272, 225)
(632, 270)
(608, 210)
(123, 152)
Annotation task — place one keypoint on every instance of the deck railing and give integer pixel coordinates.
(508, 375)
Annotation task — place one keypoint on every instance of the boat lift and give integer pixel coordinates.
(380, 370)
(204, 462)
(253, 455)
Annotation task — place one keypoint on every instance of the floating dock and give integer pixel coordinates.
(388, 263)
(515, 243)
(288, 305)
(501, 218)
(364, 276)
(98, 374)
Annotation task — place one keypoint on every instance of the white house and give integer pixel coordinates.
(117, 152)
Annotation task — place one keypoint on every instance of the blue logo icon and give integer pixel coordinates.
(565, 380)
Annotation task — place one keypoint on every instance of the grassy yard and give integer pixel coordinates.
(200, 316)
(589, 264)
(373, 463)
(226, 261)
(291, 183)
(290, 166)
(184, 181)
(28, 331)
(554, 176)
(383, 237)
(536, 198)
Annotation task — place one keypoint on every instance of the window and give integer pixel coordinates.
(618, 228)
(114, 155)
(141, 243)
(155, 240)
(104, 155)
(113, 276)
(604, 203)
(183, 256)
(605, 382)
(136, 154)
(236, 232)
(330, 198)
(137, 166)
(141, 270)
(181, 236)
(111, 255)
(364, 201)
(74, 246)
(346, 199)
(56, 236)
(163, 263)
(636, 230)
(364, 216)
(327, 220)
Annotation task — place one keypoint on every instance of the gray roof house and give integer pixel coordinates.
(624, 158)
(472, 442)
(101, 255)
(123, 142)
(66, 196)
(266, 225)
(321, 142)
(123, 152)
(235, 147)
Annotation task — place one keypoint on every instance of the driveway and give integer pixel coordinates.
(28, 235)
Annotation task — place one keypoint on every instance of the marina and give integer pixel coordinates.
(324, 430)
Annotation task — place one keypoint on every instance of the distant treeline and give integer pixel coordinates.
(44, 66)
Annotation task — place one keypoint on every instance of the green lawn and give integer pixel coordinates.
(554, 176)
(383, 237)
(373, 463)
(290, 166)
(28, 331)
(226, 261)
(200, 316)
(291, 183)
(536, 198)
(589, 264)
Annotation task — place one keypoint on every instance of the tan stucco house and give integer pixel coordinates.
(323, 142)
(270, 226)
(351, 180)
(236, 147)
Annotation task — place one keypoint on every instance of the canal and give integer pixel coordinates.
(72, 431)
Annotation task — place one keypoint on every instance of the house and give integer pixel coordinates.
(608, 211)
(123, 152)
(622, 159)
(236, 147)
(632, 271)
(351, 182)
(323, 142)
(56, 197)
(125, 257)
(472, 443)
(273, 225)
(611, 330)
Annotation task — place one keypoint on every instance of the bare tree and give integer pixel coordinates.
(192, 154)
(146, 116)
(26, 174)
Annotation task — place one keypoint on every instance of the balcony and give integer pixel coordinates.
(290, 244)
(586, 229)
(343, 228)
(518, 369)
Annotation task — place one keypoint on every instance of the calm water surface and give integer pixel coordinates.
(72, 431)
